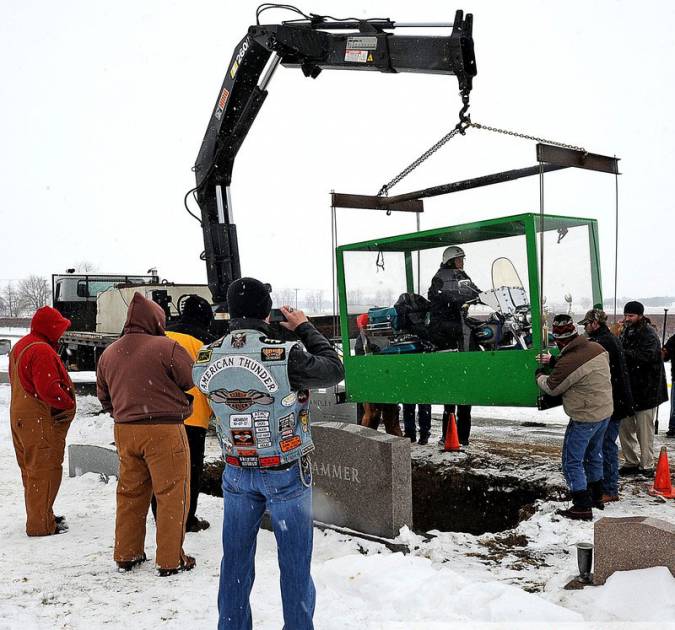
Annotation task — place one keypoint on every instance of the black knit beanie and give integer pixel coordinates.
(196, 309)
(634, 308)
(248, 297)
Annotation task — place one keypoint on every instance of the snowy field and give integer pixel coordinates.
(449, 580)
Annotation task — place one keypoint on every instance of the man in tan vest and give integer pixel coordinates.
(41, 409)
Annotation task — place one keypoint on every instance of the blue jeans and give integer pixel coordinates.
(423, 417)
(582, 453)
(610, 459)
(246, 494)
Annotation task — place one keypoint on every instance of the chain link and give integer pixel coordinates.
(525, 136)
(413, 165)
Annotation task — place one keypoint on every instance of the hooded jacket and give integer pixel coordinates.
(642, 348)
(41, 371)
(581, 375)
(143, 376)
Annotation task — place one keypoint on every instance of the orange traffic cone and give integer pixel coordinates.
(662, 487)
(451, 436)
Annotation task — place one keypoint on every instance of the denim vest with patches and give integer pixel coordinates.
(260, 420)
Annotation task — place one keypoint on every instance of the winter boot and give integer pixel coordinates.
(627, 471)
(581, 507)
(126, 565)
(197, 525)
(411, 437)
(424, 440)
(186, 564)
(595, 488)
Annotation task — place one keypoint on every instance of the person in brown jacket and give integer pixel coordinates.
(141, 380)
(581, 375)
(41, 408)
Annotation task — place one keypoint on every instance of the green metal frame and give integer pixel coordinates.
(500, 378)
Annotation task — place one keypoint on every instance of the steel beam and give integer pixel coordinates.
(561, 156)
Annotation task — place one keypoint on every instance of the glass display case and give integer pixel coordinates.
(406, 353)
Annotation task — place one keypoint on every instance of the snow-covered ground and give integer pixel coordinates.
(449, 580)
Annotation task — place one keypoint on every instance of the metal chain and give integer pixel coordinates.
(525, 136)
(459, 128)
(413, 165)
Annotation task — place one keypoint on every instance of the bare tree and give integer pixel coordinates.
(85, 266)
(10, 297)
(33, 293)
(284, 297)
(315, 301)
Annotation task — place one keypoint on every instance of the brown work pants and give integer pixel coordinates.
(154, 458)
(39, 444)
(374, 413)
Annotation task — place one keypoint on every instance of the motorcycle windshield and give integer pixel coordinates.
(504, 274)
(507, 294)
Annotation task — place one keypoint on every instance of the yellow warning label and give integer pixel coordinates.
(370, 56)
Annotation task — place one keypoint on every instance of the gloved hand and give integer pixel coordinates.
(539, 371)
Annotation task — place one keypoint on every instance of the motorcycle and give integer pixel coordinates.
(508, 325)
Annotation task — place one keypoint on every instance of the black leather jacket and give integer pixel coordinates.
(316, 366)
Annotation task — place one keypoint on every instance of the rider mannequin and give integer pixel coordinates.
(450, 289)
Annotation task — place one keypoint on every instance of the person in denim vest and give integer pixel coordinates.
(258, 387)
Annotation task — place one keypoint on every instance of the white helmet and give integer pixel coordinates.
(452, 252)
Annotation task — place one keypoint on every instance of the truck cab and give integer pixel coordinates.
(74, 295)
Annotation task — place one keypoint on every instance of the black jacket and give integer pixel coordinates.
(670, 354)
(193, 329)
(317, 366)
(621, 391)
(642, 348)
(447, 297)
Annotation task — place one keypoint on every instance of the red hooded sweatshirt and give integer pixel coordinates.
(41, 371)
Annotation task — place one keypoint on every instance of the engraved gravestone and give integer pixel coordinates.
(324, 408)
(632, 542)
(362, 479)
(84, 458)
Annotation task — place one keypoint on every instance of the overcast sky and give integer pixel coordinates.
(105, 103)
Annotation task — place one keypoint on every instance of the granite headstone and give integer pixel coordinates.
(632, 542)
(324, 408)
(362, 479)
(84, 458)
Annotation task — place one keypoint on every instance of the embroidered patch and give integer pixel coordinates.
(287, 423)
(238, 340)
(288, 401)
(307, 449)
(273, 342)
(290, 443)
(249, 462)
(242, 437)
(241, 421)
(303, 416)
(303, 396)
(204, 356)
(239, 361)
(273, 354)
(264, 443)
(233, 461)
(239, 400)
(270, 461)
(248, 452)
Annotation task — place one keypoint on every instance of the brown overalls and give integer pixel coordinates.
(153, 458)
(39, 437)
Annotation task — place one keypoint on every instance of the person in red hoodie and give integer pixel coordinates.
(41, 409)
